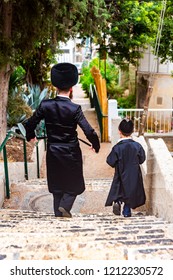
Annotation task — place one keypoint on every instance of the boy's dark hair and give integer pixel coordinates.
(126, 127)
(64, 89)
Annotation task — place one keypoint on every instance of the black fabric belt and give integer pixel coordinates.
(69, 144)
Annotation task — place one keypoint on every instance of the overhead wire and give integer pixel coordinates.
(158, 38)
(153, 68)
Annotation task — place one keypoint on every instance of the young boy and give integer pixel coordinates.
(127, 185)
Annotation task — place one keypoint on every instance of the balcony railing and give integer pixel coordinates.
(158, 120)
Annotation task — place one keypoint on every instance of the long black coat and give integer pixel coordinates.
(127, 185)
(63, 158)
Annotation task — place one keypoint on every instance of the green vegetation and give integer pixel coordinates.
(22, 100)
(133, 25)
(109, 72)
(127, 102)
(114, 90)
(17, 110)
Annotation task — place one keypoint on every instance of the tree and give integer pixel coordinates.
(82, 18)
(166, 43)
(133, 25)
(5, 70)
(29, 29)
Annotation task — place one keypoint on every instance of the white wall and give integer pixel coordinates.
(150, 63)
(162, 88)
(112, 114)
(160, 171)
(68, 54)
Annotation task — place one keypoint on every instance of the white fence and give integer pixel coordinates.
(158, 120)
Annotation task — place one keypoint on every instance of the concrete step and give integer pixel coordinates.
(34, 195)
(36, 235)
(84, 102)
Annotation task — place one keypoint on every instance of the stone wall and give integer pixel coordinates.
(16, 170)
(160, 180)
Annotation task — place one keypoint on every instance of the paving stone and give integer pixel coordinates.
(36, 235)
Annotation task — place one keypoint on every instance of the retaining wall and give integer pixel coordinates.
(16, 170)
(160, 180)
(157, 173)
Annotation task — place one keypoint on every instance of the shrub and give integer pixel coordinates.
(127, 102)
(17, 79)
(110, 73)
(22, 102)
(34, 96)
(86, 79)
(17, 109)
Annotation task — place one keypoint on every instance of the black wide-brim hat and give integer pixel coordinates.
(64, 75)
(126, 126)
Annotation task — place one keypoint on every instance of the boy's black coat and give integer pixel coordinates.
(64, 158)
(127, 186)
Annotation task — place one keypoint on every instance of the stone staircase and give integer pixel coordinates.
(29, 230)
(26, 234)
(79, 97)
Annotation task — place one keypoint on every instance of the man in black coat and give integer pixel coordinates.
(63, 157)
(127, 186)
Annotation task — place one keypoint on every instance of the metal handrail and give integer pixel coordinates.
(9, 135)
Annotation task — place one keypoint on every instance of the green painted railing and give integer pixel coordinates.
(11, 134)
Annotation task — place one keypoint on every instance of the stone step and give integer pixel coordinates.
(84, 102)
(36, 235)
(101, 182)
(84, 227)
(34, 195)
(37, 246)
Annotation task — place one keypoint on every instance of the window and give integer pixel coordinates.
(159, 100)
(65, 50)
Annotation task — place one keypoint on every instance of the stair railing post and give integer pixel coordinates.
(38, 164)
(25, 159)
(6, 172)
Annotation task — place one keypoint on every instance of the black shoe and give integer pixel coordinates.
(117, 208)
(58, 214)
(65, 213)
